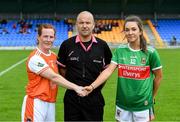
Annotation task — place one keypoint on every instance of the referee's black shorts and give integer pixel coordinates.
(89, 108)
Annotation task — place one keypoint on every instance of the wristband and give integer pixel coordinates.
(92, 86)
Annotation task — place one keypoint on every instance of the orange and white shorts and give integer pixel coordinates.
(36, 110)
(122, 115)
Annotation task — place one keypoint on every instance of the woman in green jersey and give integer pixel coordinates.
(139, 75)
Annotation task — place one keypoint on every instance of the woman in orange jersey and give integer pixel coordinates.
(43, 78)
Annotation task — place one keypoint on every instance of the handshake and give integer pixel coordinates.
(84, 91)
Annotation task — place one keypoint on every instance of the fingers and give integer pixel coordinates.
(83, 93)
(86, 91)
(88, 88)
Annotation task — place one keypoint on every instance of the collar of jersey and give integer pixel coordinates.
(79, 40)
(133, 49)
(43, 52)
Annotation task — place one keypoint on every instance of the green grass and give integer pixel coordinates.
(167, 102)
(12, 88)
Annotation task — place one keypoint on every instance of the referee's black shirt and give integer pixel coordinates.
(84, 66)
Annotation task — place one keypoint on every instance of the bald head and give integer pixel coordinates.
(85, 25)
(86, 14)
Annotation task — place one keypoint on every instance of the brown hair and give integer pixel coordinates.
(133, 18)
(47, 26)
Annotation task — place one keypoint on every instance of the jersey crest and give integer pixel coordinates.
(40, 64)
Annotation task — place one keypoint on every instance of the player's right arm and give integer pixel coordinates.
(157, 79)
(37, 65)
(58, 79)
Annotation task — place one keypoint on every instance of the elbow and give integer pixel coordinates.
(158, 79)
(54, 78)
(160, 76)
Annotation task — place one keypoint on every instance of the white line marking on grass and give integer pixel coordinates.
(11, 67)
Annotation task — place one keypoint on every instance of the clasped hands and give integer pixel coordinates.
(84, 91)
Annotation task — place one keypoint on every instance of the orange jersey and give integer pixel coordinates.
(38, 86)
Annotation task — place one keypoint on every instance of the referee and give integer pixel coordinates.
(82, 58)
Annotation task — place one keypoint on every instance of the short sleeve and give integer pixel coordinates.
(62, 54)
(114, 57)
(155, 62)
(108, 54)
(37, 64)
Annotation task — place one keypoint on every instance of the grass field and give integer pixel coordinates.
(12, 88)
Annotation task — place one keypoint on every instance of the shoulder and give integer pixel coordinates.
(100, 41)
(35, 58)
(36, 55)
(33, 53)
(122, 47)
(53, 53)
(69, 41)
(151, 49)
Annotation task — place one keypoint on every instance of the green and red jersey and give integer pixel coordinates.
(135, 77)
